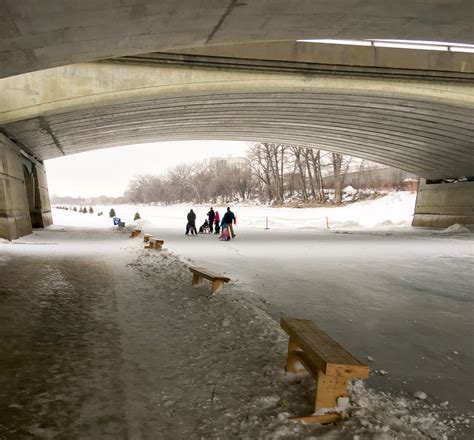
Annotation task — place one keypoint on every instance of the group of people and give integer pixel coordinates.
(213, 224)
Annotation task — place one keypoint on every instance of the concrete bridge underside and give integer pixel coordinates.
(430, 140)
(419, 122)
(38, 35)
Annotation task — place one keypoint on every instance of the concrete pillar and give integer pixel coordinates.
(24, 198)
(439, 205)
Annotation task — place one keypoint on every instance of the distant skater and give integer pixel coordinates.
(229, 220)
(191, 225)
(211, 215)
(217, 220)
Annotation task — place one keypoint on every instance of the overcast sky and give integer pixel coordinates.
(108, 171)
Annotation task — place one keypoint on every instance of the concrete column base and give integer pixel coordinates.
(24, 198)
(443, 204)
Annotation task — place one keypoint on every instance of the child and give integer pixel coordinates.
(204, 228)
(224, 234)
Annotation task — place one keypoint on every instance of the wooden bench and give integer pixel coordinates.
(310, 349)
(217, 280)
(146, 238)
(154, 243)
(135, 233)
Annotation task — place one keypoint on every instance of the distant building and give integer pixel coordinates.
(221, 163)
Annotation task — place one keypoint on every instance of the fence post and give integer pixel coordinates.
(327, 222)
(266, 224)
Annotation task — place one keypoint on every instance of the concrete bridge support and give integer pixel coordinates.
(439, 205)
(24, 198)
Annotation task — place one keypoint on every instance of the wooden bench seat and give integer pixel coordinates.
(146, 238)
(311, 349)
(216, 280)
(135, 233)
(154, 243)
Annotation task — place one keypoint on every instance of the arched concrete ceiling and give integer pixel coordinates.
(37, 35)
(422, 126)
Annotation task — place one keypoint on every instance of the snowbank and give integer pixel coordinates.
(394, 209)
(457, 228)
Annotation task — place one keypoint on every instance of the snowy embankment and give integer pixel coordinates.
(240, 360)
(393, 210)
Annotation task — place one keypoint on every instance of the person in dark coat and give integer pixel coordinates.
(191, 226)
(229, 220)
(211, 214)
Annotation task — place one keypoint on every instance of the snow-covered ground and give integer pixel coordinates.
(394, 209)
(202, 367)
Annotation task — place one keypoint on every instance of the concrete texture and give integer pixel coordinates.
(443, 204)
(342, 55)
(38, 35)
(419, 123)
(24, 199)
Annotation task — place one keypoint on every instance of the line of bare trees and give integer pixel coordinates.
(196, 183)
(288, 172)
(277, 173)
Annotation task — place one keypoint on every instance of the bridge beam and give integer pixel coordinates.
(24, 198)
(439, 205)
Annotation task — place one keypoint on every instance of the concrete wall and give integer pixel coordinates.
(41, 215)
(443, 204)
(18, 212)
(421, 125)
(343, 55)
(37, 35)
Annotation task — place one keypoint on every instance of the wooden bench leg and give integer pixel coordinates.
(217, 286)
(293, 365)
(328, 390)
(197, 279)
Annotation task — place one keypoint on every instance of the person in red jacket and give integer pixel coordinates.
(217, 221)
